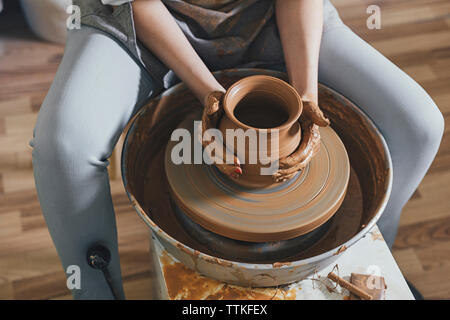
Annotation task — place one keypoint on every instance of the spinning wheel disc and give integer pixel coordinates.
(285, 211)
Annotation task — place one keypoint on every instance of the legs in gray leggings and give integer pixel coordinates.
(404, 113)
(96, 90)
(98, 87)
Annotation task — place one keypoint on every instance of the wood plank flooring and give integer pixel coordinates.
(415, 35)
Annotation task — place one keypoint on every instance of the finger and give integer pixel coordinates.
(297, 161)
(221, 159)
(220, 156)
(210, 121)
(213, 102)
(230, 170)
(313, 112)
(310, 138)
(285, 177)
(293, 169)
(213, 110)
(299, 166)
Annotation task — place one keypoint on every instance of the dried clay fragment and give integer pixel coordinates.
(373, 285)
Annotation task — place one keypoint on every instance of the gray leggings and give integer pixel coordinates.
(98, 87)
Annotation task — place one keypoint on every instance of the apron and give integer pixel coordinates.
(225, 34)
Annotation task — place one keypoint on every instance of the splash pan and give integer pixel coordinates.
(145, 181)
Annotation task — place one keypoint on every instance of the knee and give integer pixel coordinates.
(435, 129)
(62, 146)
(51, 147)
(428, 124)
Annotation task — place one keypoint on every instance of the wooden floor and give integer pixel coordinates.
(415, 35)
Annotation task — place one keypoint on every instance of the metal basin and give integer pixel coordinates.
(144, 180)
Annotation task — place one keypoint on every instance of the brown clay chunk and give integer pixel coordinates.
(373, 285)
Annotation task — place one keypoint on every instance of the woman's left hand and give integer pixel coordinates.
(312, 117)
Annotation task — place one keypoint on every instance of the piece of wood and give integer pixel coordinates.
(349, 286)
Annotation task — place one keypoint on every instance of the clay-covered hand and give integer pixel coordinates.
(312, 111)
(312, 117)
(212, 113)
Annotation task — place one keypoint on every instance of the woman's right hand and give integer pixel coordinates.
(212, 113)
(158, 30)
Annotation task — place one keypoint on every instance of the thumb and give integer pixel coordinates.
(313, 112)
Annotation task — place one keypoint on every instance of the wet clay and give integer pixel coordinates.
(263, 104)
(286, 211)
(146, 181)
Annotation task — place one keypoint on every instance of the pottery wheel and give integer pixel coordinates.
(282, 212)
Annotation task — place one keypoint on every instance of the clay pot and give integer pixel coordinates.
(270, 107)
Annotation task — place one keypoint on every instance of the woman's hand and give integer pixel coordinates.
(300, 26)
(157, 29)
(212, 113)
(309, 146)
(312, 111)
(289, 166)
(311, 119)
